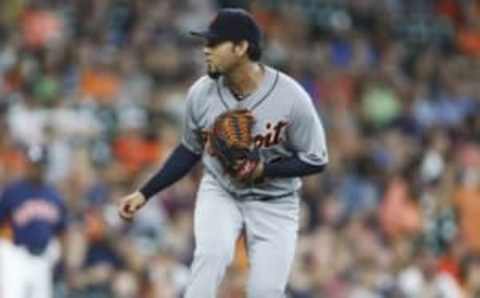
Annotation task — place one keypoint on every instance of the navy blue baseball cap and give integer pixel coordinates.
(232, 24)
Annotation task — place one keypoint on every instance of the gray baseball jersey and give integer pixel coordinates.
(287, 124)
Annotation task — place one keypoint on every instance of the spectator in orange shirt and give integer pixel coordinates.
(12, 161)
(468, 38)
(467, 202)
(399, 213)
(100, 83)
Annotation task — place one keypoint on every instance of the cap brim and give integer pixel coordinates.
(203, 34)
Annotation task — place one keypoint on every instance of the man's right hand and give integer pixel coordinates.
(129, 205)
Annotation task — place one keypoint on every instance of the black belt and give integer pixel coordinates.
(262, 198)
(265, 198)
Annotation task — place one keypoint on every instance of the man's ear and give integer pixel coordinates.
(241, 48)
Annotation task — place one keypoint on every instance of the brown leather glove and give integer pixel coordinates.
(231, 141)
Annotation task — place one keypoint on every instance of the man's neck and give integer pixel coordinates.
(245, 79)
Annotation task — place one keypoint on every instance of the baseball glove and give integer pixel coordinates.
(231, 141)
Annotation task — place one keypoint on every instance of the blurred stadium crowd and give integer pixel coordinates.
(396, 82)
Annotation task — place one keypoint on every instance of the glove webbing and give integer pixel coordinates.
(235, 130)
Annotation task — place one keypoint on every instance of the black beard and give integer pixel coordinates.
(214, 74)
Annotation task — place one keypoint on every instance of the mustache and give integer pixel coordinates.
(214, 74)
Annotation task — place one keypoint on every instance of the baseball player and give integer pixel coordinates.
(262, 197)
(35, 214)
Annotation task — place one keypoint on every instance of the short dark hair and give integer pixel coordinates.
(254, 52)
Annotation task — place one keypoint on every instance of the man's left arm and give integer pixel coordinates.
(291, 167)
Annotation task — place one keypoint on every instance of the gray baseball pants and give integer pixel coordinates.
(271, 230)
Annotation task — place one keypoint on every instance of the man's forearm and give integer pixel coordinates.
(180, 162)
(291, 167)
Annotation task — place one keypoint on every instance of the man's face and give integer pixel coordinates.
(221, 57)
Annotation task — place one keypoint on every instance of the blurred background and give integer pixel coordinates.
(397, 214)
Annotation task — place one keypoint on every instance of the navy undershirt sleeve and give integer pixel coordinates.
(291, 167)
(180, 162)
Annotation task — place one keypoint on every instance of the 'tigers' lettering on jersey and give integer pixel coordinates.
(270, 138)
